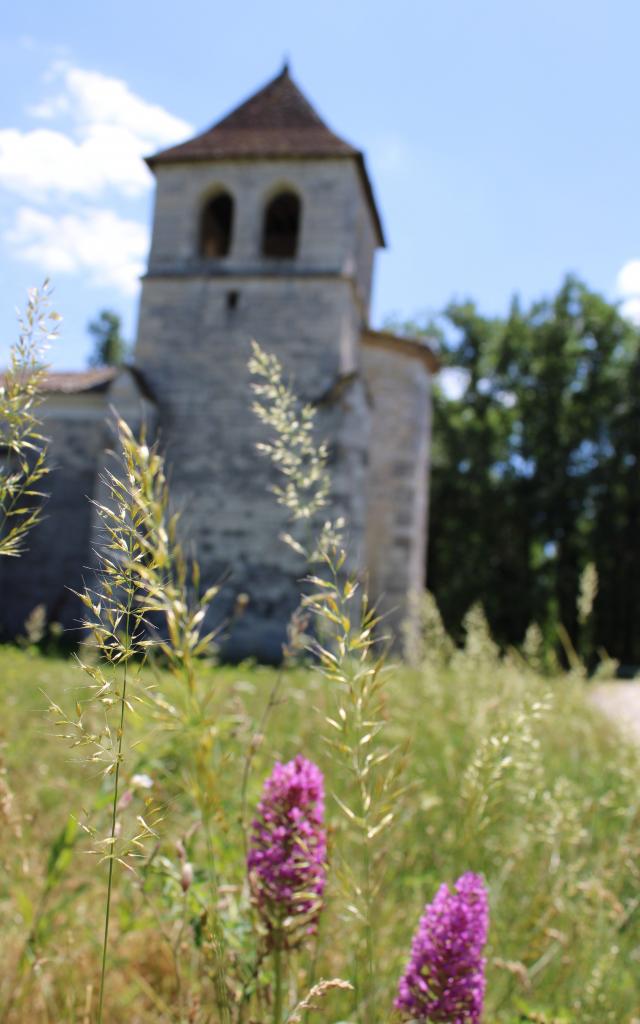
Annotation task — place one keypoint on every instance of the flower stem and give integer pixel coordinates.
(105, 939)
(217, 935)
(277, 985)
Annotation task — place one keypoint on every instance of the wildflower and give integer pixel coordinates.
(444, 979)
(287, 853)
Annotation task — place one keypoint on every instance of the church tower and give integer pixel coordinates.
(265, 227)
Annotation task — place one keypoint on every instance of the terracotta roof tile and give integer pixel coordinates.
(74, 382)
(71, 382)
(81, 381)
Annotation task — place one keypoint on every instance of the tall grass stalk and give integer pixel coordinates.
(114, 806)
(24, 444)
(371, 766)
(117, 625)
(169, 593)
(25, 449)
(345, 648)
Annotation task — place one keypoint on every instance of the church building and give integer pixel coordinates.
(265, 226)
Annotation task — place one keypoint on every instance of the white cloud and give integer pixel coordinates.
(111, 249)
(96, 133)
(111, 130)
(628, 286)
(630, 309)
(628, 281)
(42, 162)
(96, 99)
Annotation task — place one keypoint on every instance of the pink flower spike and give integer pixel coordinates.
(444, 980)
(287, 853)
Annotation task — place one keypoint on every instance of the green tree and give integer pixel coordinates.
(535, 468)
(110, 348)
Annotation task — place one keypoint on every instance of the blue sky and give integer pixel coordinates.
(502, 138)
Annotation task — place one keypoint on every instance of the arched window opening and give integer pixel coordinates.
(215, 227)
(281, 226)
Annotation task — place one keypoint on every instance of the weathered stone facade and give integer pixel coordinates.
(76, 417)
(198, 314)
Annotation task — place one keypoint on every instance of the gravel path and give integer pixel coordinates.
(621, 703)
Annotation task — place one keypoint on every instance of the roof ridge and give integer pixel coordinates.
(402, 345)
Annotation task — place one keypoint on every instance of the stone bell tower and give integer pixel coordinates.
(265, 227)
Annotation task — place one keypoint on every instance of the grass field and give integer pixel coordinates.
(509, 774)
(146, 773)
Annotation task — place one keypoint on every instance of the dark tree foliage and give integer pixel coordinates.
(535, 469)
(110, 348)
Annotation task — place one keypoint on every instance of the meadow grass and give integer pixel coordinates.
(510, 774)
(470, 762)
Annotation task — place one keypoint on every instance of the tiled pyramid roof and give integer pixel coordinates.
(277, 122)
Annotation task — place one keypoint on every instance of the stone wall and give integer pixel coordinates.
(194, 351)
(397, 491)
(58, 548)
